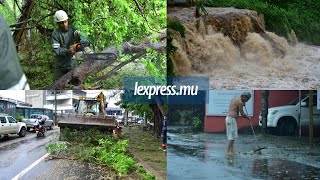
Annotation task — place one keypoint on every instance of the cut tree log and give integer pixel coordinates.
(77, 76)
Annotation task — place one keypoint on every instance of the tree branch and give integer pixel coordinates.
(77, 76)
(27, 7)
(143, 15)
(115, 69)
(15, 1)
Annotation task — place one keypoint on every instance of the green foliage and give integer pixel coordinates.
(88, 137)
(136, 109)
(7, 12)
(105, 23)
(113, 153)
(200, 8)
(197, 125)
(175, 24)
(96, 147)
(19, 117)
(282, 16)
(145, 175)
(56, 148)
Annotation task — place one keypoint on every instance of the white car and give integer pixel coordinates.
(286, 118)
(8, 125)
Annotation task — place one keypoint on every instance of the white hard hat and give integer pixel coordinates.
(60, 16)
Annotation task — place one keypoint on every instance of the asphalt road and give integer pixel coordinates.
(17, 154)
(24, 159)
(203, 156)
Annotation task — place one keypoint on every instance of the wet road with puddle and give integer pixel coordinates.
(202, 156)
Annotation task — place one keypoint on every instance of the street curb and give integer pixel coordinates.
(147, 167)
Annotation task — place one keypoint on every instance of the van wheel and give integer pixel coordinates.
(281, 127)
(286, 126)
(22, 132)
(290, 128)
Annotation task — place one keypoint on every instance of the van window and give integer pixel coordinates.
(11, 120)
(34, 116)
(314, 100)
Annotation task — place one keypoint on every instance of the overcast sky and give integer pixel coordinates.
(13, 94)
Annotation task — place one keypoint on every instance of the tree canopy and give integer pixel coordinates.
(105, 23)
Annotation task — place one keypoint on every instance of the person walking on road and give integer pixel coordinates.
(236, 107)
(164, 134)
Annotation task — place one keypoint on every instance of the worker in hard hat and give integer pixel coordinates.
(65, 41)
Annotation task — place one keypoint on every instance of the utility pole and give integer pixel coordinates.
(55, 107)
(299, 114)
(311, 118)
(126, 113)
(144, 120)
(264, 111)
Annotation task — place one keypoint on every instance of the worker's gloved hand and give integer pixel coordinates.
(74, 48)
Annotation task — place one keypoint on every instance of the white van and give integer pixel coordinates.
(8, 125)
(286, 118)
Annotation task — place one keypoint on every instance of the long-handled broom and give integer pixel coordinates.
(259, 148)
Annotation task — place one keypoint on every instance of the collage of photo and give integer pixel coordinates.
(159, 89)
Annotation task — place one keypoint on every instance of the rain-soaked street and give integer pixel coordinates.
(202, 156)
(16, 154)
(20, 158)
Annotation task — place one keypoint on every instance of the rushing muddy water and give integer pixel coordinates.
(255, 63)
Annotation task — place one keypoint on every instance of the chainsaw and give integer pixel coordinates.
(83, 52)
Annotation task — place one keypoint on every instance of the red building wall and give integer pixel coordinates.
(276, 98)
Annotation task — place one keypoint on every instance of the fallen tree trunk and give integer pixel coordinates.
(77, 76)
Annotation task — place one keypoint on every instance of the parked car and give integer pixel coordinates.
(120, 121)
(9, 125)
(285, 119)
(33, 118)
(140, 121)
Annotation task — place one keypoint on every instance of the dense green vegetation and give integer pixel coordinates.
(176, 25)
(105, 23)
(100, 148)
(283, 16)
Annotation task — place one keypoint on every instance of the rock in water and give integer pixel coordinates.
(202, 43)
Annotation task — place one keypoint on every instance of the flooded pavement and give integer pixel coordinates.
(202, 156)
(66, 169)
(17, 156)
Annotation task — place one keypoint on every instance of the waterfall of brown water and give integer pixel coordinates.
(238, 53)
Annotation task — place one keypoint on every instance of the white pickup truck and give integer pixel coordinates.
(8, 125)
(285, 119)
